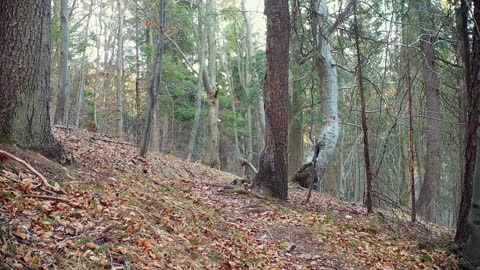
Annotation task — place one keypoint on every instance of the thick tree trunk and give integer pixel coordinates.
(154, 82)
(295, 122)
(61, 113)
(272, 175)
(472, 68)
(25, 77)
(211, 157)
(433, 164)
(327, 72)
(472, 244)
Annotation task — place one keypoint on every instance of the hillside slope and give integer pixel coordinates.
(122, 212)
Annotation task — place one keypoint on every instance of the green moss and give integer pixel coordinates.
(426, 258)
(85, 240)
(100, 249)
(194, 241)
(12, 249)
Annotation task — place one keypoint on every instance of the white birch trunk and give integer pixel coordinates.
(327, 72)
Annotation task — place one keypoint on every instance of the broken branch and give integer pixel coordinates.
(245, 162)
(30, 168)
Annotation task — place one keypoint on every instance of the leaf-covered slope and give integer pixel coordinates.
(123, 212)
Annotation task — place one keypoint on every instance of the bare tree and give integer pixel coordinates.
(472, 85)
(201, 39)
(433, 162)
(83, 66)
(209, 77)
(153, 90)
(272, 175)
(61, 113)
(121, 19)
(295, 123)
(361, 89)
(327, 71)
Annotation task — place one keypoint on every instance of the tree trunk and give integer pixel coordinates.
(61, 113)
(84, 59)
(411, 144)
(137, 74)
(230, 86)
(121, 16)
(25, 77)
(106, 92)
(272, 174)
(327, 72)
(433, 162)
(241, 75)
(98, 67)
(366, 150)
(154, 82)
(472, 67)
(155, 138)
(55, 62)
(201, 62)
(472, 244)
(211, 157)
(295, 122)
(251, 77)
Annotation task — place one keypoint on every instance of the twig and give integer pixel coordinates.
(185, 58)
(30, 168)
(102, 236)
(50, 198)
(64, 127)
(111, 141)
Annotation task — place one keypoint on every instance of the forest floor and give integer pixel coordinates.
(124, 212)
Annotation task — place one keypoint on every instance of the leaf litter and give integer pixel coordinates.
(126, 212)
